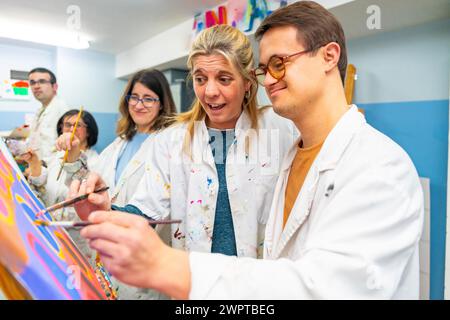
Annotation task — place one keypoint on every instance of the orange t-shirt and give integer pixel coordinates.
(299, 169)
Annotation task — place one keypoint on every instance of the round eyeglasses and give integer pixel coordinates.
(69, 125)
(146, 102)
(276, 67)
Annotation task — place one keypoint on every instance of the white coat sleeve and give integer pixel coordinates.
(359, 249)
(48, 133)
(152, 196)
(47, 138)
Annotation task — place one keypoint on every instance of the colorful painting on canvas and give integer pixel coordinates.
(43, 261)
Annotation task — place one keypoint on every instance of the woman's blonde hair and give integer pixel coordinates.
(157, 82)
(234, 46)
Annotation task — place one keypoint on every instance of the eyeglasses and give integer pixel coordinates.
(276, 67)
(40, 81)
(146, 102)
(69, 125)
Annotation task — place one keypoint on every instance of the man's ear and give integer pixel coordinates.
(55, 87)
(331, 55)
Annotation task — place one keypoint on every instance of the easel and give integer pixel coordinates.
(349, 85)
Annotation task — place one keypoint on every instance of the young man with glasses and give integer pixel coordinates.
(42, 132)
(347, 213)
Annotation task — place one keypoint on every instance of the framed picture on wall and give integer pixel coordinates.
(15, 89)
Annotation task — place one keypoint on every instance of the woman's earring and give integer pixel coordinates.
(247, 95)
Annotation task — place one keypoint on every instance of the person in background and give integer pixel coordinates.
(146, 107)
(51, 189)
(42, 130)
(347, 213)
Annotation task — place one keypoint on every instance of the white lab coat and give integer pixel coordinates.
(43, 129)
(353, 232)
(180, 187)
(122, 192)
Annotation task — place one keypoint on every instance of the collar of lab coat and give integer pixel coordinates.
(201, 136)
(335, 143)
(243, 123)
(331, 152)
(133, 165)
(54, 104)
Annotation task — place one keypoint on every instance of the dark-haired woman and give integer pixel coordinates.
(44, 179)
(145, 107)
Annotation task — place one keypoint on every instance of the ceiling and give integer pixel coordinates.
(112, 26)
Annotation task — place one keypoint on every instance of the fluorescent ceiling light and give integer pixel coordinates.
(44, 35)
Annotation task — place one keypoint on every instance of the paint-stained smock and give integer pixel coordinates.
(122, 191)
(183, 184)
(353, 232)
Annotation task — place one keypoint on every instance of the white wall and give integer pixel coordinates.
(169, 45)
(406, 65)
(84, 77)
(87, 78)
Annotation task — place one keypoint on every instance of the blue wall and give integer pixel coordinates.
(107, 129)
(421, 128)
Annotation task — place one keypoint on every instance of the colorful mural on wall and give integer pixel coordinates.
(241, 14)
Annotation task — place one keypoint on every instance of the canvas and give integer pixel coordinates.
(37, 262)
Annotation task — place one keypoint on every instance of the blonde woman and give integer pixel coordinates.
(203, 169)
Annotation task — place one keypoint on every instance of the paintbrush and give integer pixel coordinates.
(69, 202)
(81, 224)
(66, 154)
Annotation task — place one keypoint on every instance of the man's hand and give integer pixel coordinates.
(132, 251)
